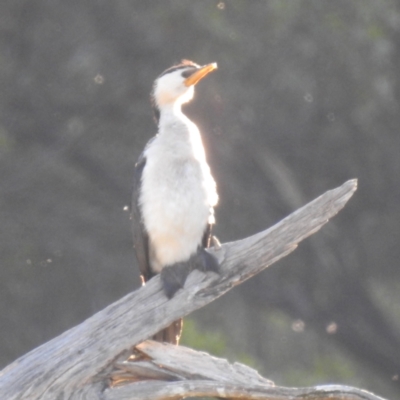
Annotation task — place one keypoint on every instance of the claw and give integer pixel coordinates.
(215, 242)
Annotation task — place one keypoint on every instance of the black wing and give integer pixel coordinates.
(140, 237)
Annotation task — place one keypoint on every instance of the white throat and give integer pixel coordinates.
(169, 90)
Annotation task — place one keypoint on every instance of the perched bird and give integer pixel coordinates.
(174, 193)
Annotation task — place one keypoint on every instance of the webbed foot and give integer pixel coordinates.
(173, 277)
(207, 262)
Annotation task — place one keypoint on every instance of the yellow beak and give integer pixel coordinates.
(200, 74)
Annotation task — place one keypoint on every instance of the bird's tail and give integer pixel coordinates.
(170, 334)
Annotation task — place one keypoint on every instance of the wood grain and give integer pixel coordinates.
(76, 363)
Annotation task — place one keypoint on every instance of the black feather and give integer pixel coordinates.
(140, 236)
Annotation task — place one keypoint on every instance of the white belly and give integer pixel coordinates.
(177, 197)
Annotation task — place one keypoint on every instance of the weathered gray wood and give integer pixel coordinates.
(178, 372)
(178, 390)
(73, 361)
(188, 364)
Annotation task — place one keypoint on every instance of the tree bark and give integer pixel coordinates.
(163, 371)
(79, 363)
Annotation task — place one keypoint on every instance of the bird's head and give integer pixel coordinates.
(176, 84)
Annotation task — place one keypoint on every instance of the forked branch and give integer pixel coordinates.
(80, 360)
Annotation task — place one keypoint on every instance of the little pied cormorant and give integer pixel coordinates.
(174, 193)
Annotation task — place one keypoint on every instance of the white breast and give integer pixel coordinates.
(178, 194)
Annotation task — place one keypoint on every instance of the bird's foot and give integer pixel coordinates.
(206, 262)
(173, 278)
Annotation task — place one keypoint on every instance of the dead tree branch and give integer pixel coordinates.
(162, 371)
(79, 361)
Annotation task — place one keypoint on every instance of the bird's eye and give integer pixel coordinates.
(188, 72)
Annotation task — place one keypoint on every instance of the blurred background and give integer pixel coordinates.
(306, 97)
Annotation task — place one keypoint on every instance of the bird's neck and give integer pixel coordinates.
(178, 132)
(174, 122)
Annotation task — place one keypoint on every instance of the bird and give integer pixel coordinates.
(174, 192)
